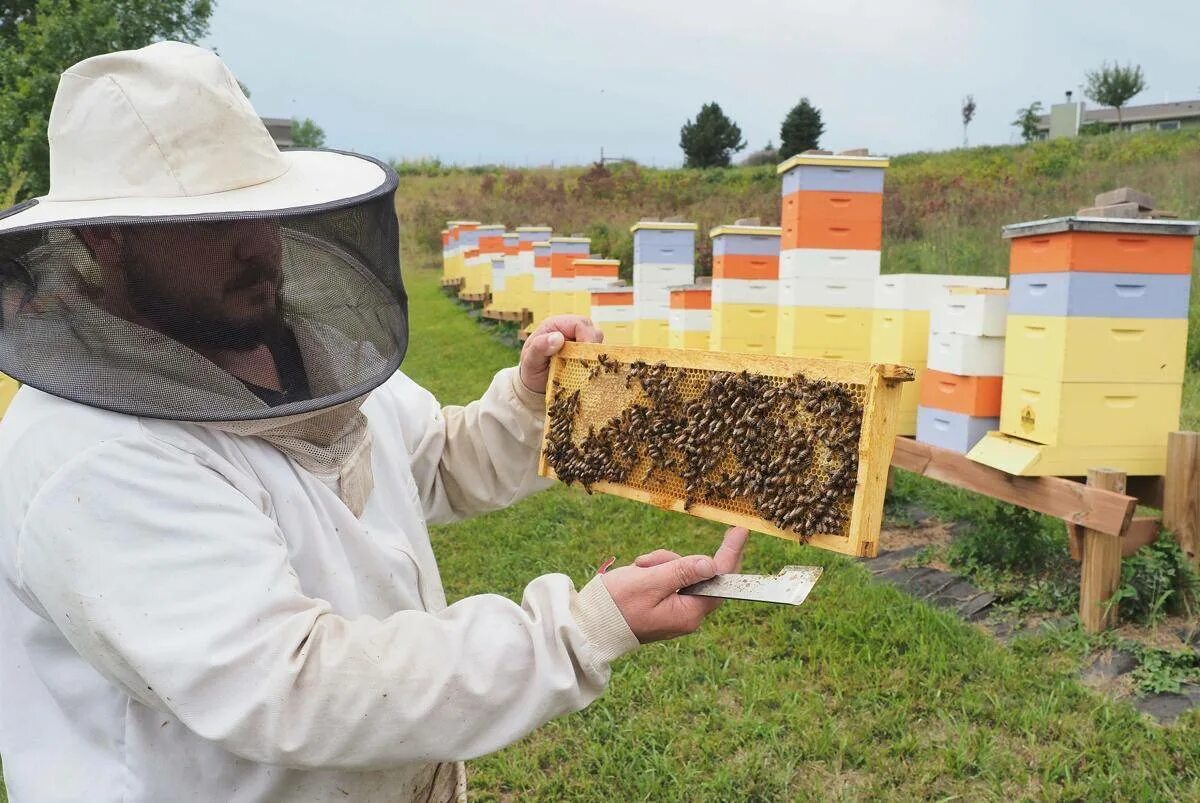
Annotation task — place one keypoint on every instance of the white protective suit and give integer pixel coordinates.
(189, 616)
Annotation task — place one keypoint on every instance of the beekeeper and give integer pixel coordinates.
(215, 487)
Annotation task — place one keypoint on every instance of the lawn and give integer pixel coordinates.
(860, 693)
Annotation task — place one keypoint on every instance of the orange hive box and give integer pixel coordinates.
(977, 396)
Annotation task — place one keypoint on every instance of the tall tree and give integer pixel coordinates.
(1027, 120)
(968, 114)
(41, 38)
(1115, 85)
(801, 129)
(711, 140)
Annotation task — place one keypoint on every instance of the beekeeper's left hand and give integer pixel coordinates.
(545, 341)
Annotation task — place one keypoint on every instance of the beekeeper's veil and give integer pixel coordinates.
(183, 268)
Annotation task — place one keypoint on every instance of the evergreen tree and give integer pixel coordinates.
(711, 139)
(801, 130)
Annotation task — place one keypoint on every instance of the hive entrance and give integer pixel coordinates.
(773, 443)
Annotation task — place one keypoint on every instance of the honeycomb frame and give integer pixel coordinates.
(605, 393)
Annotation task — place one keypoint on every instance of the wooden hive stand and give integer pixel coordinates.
(1099, 510)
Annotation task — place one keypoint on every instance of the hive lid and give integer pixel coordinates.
(768, 231)
(1189, 228)
(521, 229)
(615, 287)
(491, 227)
(662, 225)
(553, 240)
(818, 160)
(595, 261)
(462, 222)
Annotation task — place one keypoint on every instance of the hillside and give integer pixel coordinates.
(942, 211)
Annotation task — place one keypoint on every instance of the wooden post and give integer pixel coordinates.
(1181, 492)
(1101, 571)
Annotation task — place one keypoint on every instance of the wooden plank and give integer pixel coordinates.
(1100, 573)
(1143, 530)
(1181, 491)
(876, 437)
(1098, 509)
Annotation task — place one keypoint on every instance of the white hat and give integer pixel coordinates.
(162, 142)
(166, 132)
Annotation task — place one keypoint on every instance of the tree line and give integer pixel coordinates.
(712, 138)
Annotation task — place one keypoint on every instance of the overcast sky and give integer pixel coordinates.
(536, 82)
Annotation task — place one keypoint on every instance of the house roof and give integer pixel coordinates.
(1150, 113)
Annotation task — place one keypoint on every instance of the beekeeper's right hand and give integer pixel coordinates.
(646, 592)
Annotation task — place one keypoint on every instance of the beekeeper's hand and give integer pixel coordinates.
(545, 341)
(646, 591)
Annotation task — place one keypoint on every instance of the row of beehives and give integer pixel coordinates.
(1096, 323)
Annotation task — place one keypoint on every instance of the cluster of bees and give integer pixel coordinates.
(785, 450)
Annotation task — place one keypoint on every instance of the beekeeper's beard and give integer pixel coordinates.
(201, 321)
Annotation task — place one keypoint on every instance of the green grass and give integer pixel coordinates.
(860, 693)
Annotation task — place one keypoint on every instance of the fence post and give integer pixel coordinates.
(1101, 571)
(1181, 492)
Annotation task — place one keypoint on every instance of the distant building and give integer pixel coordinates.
(280, 129)
(1065, 119)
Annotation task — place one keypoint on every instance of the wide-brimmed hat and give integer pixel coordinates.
(166, 132)
(159, 139)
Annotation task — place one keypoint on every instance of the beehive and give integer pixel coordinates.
(523, 268)
(900, 326)
(504, 274)
(539, 306)
(690, 324)
(745, 288)
(798, 448)
(461, 237)
(563, 253)
(832, 229)
(663, 257)
(1096, 340)
(477, 272)
(613, 311)
(591, 274)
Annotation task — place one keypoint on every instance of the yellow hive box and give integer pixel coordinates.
(683, 339)
(900, 335)
(1070, 349)
(747, 322)
(519, 289)
(562, 302)
(1025, 458)
(651, 332)
(1089, 413)
(618, 333)
(8, 389)
(805, 331)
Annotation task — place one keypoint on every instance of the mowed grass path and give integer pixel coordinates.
(860, 693)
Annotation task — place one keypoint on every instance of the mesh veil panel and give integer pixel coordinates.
(230, 318)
